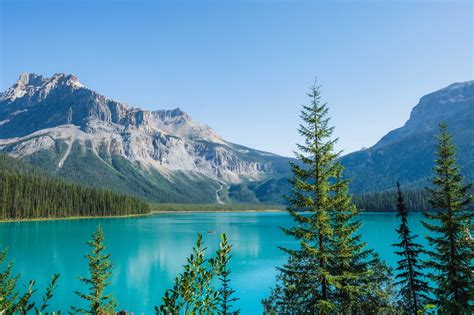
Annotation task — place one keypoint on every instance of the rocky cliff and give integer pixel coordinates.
(59, 124)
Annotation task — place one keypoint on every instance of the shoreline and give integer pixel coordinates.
(155, 212)
(217, 211)
(77, 218)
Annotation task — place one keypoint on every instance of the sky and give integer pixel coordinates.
(244, 67)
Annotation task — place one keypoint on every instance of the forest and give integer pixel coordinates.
(416, 200)
(27, 193)
(331, 271)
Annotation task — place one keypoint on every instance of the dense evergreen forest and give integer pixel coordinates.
(28, 193)
(416, 200)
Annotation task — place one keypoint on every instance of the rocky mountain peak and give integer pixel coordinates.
(32, 79)
(441, 105)
(27, 83)
(171, 114)
(35, 102)
(66, 79)
(61, 118)
(452, 93)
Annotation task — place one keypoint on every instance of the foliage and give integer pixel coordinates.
(26, 193)
(329, 269)
(308, 272)
(11, 302)
(114, 172)
(226, 293)
(416, 199)
(379, 291)
(410, 277)
(8, 293)
(100, 271)
(193, 292)
(452, 254)
(349, 262)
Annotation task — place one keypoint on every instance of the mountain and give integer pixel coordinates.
(407, 153)
(71, 131)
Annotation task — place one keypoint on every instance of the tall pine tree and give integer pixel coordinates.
(450, 224)
(326, 272)
(409, 278)
(330, 269)
(309, 268)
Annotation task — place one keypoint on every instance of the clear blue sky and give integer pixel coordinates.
(243, 67)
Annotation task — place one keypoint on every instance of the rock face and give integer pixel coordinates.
(407, 153)
(59, 124)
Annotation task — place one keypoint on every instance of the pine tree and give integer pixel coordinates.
(410, 278)
(226, 293)
(306, 277)
(450, 223)
(100, 271)
(349, 261)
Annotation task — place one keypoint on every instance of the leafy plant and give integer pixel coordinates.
(11, 301)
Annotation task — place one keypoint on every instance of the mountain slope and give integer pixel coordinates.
(64, 127)
(407, 153)
(26, 193)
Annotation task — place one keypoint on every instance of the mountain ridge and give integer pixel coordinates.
(71, 131)
(61, 118)
(407, 153)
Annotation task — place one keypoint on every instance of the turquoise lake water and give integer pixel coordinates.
(147, 252)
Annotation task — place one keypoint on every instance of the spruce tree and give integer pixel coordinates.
(100, 272)
(450, 223)
(349, 260)
(306, 279)
(409, 278)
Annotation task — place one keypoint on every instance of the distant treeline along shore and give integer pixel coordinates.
(29, 193)
(330, 270)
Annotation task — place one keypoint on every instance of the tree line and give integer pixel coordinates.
(26, 193)
(330, 270)
(416, 199)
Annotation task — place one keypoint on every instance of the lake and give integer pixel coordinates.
(147, 252)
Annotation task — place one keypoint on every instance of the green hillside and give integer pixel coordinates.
(26, 192)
